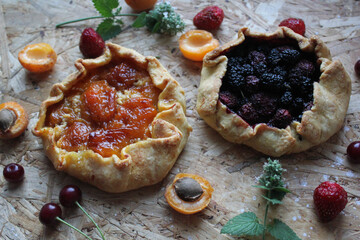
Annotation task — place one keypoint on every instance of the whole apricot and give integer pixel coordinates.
(141, 5)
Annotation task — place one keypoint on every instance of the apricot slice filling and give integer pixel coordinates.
(188, 193)
(195, 44)
(111, 108)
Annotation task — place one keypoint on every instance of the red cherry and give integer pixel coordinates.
(14, 172)
(69, 195)
(353, 151)
(357, 67)
(49, 212)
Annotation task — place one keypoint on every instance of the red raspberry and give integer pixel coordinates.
(329, 199)
(296, 24)
(210, 18)
(91, 43)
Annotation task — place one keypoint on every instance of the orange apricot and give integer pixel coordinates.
(37, 58)
(13, 120)
(141, 5)
(188, 193)
(195, 44)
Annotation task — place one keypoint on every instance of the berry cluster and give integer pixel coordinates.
(269, 83)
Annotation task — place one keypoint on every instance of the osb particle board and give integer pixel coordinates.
(230, 168)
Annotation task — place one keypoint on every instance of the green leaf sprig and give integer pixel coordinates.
(162, 19)
(248, 224)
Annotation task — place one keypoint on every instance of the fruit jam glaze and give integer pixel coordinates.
(112, 107)
(269, 81)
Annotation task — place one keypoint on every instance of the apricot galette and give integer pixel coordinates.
(118, 122)
(279, 93)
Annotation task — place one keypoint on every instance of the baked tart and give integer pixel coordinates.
(117, 123)
(278, 93)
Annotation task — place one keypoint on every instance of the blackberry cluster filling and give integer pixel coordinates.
(269, 82)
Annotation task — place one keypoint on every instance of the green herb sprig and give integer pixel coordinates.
(248, 224)
(162, 19)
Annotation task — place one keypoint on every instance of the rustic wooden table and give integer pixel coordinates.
(230, 168)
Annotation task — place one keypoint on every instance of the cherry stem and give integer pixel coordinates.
(97, 226)
(73, 227)
(88, 18)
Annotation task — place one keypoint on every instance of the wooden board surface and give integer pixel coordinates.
(230, 168)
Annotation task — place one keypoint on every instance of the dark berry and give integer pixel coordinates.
(306, 86)
(249, 113)
(289, 56)
(260, 69)
(252, 84)
(286, 99)
(281, 119)
(274, 57)
(49, 212)
(353, 151)
(13, 172)
(279, 70)
(284, 47)
(298, 104)
(245, 70)
(236, 61)
(297, 81)
(295, 24)
(357, 67)
(69, 195)
(229, 99)
(256, 57)
(273, 82)
(233, 81)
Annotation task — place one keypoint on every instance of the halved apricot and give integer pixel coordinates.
(13, 120)
(195, 44)
(185, 196)
(37, 58)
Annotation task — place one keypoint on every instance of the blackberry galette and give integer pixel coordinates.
(279, 93)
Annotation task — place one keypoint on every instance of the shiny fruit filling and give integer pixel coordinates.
(108, 110)
(269, 82)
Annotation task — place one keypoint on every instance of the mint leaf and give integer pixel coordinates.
(279, 195)
(105, 7)
(244, 224)
(261, 186)
(281, 231)
(140, 20)
(107, 29)
(272, 200)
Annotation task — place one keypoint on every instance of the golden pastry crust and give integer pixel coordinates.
(142, 163)
(325, 118)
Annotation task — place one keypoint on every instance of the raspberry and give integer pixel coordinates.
(91, 44)
(295, 24)
(303, 68)
(210, 18)
(264, 104)
(281, 119)
(248, 113)
(256, 57)
(252, 84)
(329, 199)
(229, 99)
